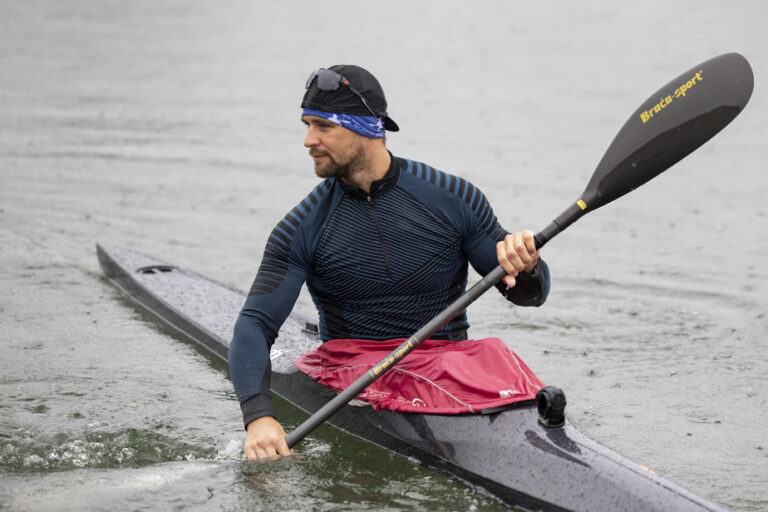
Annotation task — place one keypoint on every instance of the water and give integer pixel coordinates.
(173, 128)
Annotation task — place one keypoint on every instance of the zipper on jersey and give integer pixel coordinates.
(381, 237)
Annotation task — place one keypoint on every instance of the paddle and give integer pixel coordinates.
(672, 123)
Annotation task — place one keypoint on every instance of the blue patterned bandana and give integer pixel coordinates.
(367, 126)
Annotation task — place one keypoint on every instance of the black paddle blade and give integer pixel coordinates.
(671, 124)
(668, 126)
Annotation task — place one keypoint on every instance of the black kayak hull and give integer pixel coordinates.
(506, 453)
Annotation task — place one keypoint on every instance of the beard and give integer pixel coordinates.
(342, 167)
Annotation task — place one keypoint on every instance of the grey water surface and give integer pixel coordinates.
(172, 127)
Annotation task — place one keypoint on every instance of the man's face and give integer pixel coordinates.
(336, 151)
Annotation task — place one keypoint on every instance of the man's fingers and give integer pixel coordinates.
(509, 259)
(517, 253)
(501, 254)
(265, 439)
(282, 448)
(511, 253)
(254, 452)
(525, 245)
(269, 447)
(530, 243)
(271, 452)
(261, 451)
(521, 250)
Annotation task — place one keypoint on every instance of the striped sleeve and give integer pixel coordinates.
(284, 269)
(276, 261)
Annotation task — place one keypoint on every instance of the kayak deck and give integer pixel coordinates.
(507, 453)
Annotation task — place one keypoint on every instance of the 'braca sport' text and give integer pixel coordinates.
(680, 92)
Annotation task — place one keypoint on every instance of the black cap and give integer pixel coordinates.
(344, 101)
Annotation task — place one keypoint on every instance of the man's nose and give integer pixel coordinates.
(311, 139)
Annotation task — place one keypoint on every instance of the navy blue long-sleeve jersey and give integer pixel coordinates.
(378, 265)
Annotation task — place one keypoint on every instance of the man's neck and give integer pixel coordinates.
(376, 168)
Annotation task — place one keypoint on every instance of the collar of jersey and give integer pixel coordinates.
(378, 187)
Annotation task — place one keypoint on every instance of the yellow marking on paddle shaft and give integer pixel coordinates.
(581, 204)
(680, 92)
(385, 364)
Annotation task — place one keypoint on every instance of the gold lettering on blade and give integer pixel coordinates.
(680, 92)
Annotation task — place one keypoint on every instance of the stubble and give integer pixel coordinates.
(355, 163)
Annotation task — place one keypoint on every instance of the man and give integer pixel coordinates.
(382, 243)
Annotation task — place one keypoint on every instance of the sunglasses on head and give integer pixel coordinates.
(329, 80)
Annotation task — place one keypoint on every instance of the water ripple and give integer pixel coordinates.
(24, 451)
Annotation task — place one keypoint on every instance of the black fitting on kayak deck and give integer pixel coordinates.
(551, 403)
(155, 269)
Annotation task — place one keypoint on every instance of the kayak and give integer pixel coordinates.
(512, 453)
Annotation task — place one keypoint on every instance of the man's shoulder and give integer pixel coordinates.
(424, 172)
(306, 217)
(421, 175)
(312, 203)
(454, 195)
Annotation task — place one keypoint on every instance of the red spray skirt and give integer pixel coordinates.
(438, 377)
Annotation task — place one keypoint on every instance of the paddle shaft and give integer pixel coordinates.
(394, 357)
(403, 350)
(697, 105)
(434, 325)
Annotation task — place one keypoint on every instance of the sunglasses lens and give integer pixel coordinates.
(311, 77)
(327, 80)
